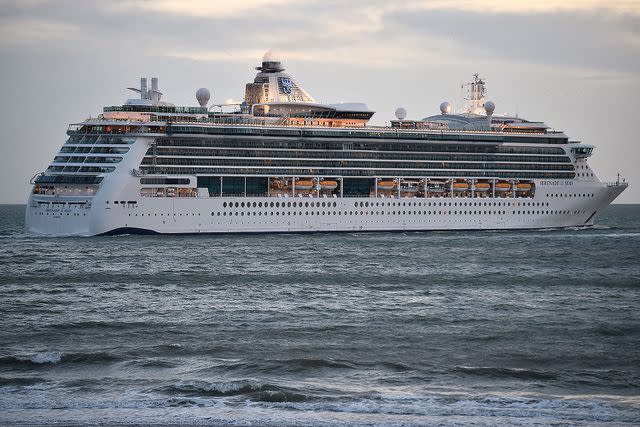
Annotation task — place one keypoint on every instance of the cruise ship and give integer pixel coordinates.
(279, 161)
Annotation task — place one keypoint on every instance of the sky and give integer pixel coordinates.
(572, 64)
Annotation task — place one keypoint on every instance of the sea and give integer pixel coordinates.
(477, 328)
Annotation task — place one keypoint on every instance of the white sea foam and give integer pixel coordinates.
(405, 411)
(45, 358)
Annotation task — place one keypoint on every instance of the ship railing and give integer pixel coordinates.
(617, 184)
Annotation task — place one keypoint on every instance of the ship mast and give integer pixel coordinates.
(475, 96)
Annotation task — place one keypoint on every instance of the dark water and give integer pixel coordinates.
(482, 328)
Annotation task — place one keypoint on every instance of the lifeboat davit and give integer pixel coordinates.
(303, 185)
(460, 186)
(277, 184)
(502, 187)
(386, 185)
(523, 187)
(409, 187)
(481, 187)
(328, 185)
(435, 186)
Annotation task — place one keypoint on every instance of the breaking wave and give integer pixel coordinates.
(54, 358)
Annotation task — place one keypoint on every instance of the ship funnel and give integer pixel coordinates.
(143, 88)
(155, 93)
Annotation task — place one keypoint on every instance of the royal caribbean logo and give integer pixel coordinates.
(286, 85)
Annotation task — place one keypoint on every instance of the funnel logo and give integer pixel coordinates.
(286, 85)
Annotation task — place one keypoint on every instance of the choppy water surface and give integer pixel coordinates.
(484, 328)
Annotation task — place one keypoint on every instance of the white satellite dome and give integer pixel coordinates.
(445, 108)
(401, 113)
(489, 107)
(270, 56)
(203, 96)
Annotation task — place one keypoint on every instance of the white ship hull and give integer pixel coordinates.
(561, 204)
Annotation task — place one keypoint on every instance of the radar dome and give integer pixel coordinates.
(489, 107)
(445, 108)
(401, 113)
(203, 95)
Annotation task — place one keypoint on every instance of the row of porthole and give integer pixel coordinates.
(162, 214)
(376, 204)
(461, 204)
(571, 195)
(59, 213)
(279, 204)
(381, 204)
(318, 213)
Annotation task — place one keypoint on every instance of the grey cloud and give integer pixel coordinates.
(591, 40)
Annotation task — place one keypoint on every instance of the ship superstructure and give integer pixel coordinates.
(282, 162)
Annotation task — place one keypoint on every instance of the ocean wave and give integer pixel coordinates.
(486, 408)
(250, 399)
(54, 358)
(492, 372)
(251, 390)
(154, 363)
(93, 324)
(20, 381)
(315, 363)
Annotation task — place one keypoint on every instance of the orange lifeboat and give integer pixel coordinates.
(502, 187)
(460, 186)
(523, 187)
(481, 187)
(386, 185)
(303, 185)
(328, 185)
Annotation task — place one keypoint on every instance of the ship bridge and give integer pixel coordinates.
(275, 93)
(272, 84)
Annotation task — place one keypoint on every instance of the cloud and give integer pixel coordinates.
(29, 31)
(587, 35)
(528, 7)
(210, 8)
(227, 8)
